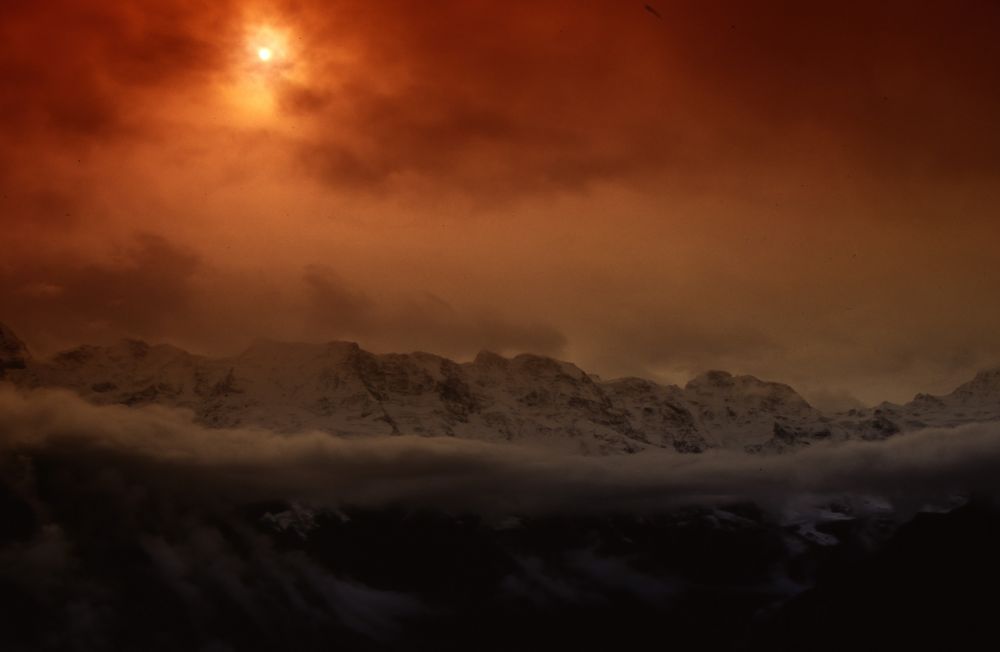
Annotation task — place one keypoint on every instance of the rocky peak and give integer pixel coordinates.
(722, 384)
(924, 401)
(13, 352)
(132, 348)
(711, 379)
(489, 359)
(341, 388)
(539, 366)
(986, 384)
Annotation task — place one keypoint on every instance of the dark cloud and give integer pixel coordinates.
(531, 97)
(681, 341)
(559, 95)
(71, 72)
(154, 289)
(500, 105)
(78, 79)
(424, 322)
(146, 289)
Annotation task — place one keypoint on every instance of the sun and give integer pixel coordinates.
(265, 63)
(267, 44)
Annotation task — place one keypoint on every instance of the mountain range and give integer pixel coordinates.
(340, 388)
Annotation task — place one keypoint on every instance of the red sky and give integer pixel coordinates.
(802, 191)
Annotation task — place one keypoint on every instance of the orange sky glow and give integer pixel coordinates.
(806, 193)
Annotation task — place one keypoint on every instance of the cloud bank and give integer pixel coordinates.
(163, 447)
(136, 528)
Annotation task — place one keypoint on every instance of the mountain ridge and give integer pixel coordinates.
(340, 388)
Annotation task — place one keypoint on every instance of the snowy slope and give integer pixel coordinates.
(342, 389)
(975, 401)
(743, 411)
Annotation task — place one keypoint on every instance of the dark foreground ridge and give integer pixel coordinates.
(132, 538)
(95, 559)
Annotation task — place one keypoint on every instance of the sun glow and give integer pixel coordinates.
(267, 43)
(265, 63)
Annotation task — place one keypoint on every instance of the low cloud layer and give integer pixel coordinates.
(136, 528)
(163, 447)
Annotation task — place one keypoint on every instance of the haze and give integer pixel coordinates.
(802, 192)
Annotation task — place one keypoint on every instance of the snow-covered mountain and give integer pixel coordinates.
(976, 400)
(346, 391)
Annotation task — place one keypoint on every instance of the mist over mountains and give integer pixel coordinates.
(341, 389)
(306, 496)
